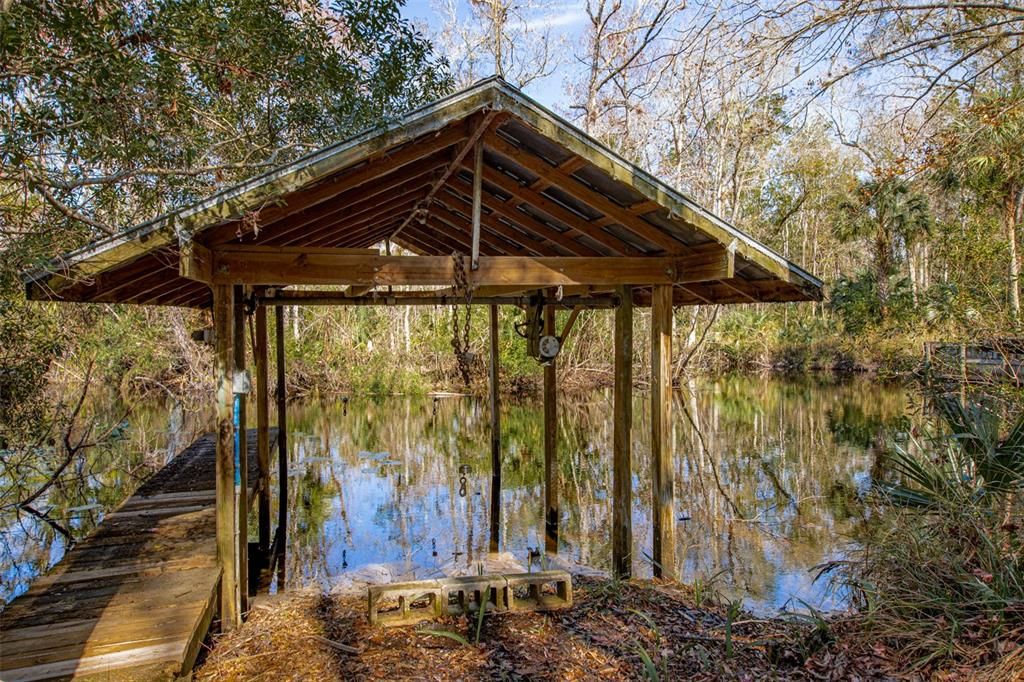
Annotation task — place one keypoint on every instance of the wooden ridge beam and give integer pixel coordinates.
(303, 265)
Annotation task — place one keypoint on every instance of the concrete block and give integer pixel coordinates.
(465, 593)
(526, 591)
(413, 602)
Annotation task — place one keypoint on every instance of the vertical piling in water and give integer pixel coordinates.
(662, 466)
(282, 445)
(495, 435)
(241, 447)
(622, 482)
(227, 516)
(262, 427)
(551, 512)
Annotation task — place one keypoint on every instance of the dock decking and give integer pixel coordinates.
(134, 600)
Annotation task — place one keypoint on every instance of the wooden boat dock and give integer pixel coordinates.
(135, 599)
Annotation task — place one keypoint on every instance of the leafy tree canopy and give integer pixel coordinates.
(116, 111)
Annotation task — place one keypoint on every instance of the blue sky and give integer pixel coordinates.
(564, 18)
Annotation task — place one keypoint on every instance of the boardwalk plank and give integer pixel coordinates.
(136, 598)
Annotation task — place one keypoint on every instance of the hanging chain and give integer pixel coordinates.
(464, 470)
(460, 337)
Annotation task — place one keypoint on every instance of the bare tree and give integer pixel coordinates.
(514, 40)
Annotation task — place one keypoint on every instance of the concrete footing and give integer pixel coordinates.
(412, 602)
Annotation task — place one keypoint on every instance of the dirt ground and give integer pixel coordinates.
(614, 631)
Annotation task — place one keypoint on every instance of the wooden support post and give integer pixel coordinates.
(662, 465)
(227, 516)
(478, 171)
(282, 445)
(495, 436)
(622, 475)
(551, 513)
(262, 427)
(242, 449)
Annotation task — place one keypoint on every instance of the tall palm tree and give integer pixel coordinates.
(891, 216)
(983, 151)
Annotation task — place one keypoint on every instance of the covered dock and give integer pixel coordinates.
(483, 198)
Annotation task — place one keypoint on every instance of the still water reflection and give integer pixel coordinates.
(767, 476)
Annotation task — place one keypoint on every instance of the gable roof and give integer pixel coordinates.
(548, 190)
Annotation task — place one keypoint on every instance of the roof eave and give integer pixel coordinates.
(494, 93)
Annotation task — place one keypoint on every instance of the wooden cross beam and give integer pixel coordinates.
(490, 119)
(255, 265)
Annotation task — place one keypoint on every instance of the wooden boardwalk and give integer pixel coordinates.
(135, 599)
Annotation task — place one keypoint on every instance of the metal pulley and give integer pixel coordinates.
(548, 347)
(540, 346)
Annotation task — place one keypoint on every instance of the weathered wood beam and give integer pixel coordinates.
(226, 512)
(241, 450)
(551, 482)
(338, 298)
(480, 127)
(493, 376)
(262, 426)
(478, 167)
(196, 261)
(622, 423)
(301, 265)
(662, 464)
(582, 192)
(373, 169)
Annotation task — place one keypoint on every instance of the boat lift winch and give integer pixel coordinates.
(544, 348)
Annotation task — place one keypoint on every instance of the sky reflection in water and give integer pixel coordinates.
(767, 474)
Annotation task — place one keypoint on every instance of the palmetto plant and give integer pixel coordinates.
(982, 151)
(974, 463)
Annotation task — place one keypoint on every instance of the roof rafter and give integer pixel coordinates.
(580, 191)
(488, 120)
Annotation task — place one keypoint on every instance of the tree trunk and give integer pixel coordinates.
(1013, 203)
(882, 252)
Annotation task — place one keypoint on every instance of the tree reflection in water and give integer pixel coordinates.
(767, 476)
(92, 485)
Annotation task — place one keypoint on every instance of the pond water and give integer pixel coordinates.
(768, 471)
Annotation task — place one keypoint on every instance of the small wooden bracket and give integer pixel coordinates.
(195, 261)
